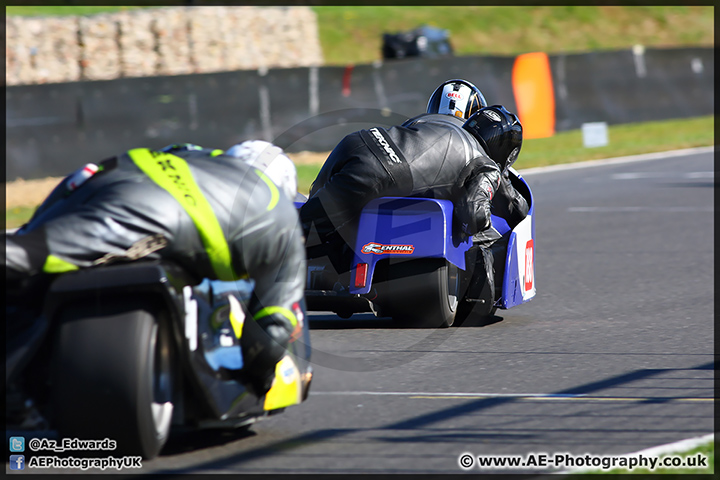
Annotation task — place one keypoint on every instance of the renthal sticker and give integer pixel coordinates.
(379, 249)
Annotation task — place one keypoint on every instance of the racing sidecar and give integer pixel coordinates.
(409, 264)
(130, 351)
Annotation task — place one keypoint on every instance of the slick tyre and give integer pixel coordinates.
(113, 376)
(422, 293)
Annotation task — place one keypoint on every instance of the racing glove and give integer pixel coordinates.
(509, 203)
(473, 207)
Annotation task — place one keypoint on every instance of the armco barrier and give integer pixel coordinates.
(53, 129)
(634, 85)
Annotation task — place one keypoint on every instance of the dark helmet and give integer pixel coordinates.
(456, 97)
(499, 132)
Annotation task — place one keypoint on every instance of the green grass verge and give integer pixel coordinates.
(567, 147)
(306, 175)
(564, 147)
(625, 139)
(14, 217)
(708, 450)
(354, 34)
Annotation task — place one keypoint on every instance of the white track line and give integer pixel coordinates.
(617, 160)
(676, 447)
(454, 394)
(487, 395)
(641, 209)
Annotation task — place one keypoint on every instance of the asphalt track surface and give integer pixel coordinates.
(614, 355)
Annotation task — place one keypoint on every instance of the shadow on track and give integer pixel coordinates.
(424, 420)
(331, 321)
(190, 440)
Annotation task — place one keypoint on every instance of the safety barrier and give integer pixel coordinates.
(52, 129)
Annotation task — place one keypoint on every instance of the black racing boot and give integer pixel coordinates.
(499, 255)
(481, 290)
(263, 344)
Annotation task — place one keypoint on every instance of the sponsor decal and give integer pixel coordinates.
(454, 95)
(81, 175)
(529, 262)
(385, 145)
(287, 372)
(380, 249)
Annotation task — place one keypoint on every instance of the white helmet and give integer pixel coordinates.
(456, 97)
(271, 160)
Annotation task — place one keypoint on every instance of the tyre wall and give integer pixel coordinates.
(158, 41)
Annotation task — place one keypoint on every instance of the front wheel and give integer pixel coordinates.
(422, 293)
(113, 376)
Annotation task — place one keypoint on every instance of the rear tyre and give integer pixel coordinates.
(113, 377)
(421, 293)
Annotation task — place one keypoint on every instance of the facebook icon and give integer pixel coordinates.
(17, 462)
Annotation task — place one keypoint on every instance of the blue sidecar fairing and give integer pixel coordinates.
(422, 228)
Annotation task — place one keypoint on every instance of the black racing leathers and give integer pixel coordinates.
(121, 205)
(428, 156)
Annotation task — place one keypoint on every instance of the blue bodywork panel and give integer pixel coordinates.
(407, 227)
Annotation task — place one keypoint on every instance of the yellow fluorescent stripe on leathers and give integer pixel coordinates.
(54, 264)
(237, 316)
(281, 310)
(273, 190)
(173, 174)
